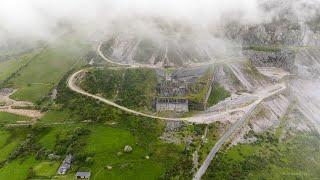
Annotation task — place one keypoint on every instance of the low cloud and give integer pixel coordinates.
(94, 19)
(38, 18)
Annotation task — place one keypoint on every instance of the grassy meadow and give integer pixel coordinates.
(133, 88)
(47, 68)
(218, 93)
(8, 118)
(9, 67)
(295, 158)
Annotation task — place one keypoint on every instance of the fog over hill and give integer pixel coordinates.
(38, 18)
(160, 89)
(186, 30)
(44, 19)
(97, 19)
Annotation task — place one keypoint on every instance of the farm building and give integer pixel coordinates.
(83, 175)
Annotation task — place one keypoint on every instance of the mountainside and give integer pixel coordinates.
(162, 96)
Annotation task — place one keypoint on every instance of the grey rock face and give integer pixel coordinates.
(174, 125)
(282, 59)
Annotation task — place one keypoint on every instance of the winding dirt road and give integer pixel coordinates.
(72, 85)
(137, 65)
(203, 118)
(261, 95)
(18, 107)
(206, 118)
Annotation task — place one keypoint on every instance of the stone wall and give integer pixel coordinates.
(177, 105)
(281, 59)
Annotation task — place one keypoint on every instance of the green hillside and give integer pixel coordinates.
(47, 68)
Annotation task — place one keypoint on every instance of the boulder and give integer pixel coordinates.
(127, 149)
(53, 157)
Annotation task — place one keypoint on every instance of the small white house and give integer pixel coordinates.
(83, 175)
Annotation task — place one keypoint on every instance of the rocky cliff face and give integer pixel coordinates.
(174, 49)
(307, 63)
(239, 77)
(281, 59)
(276, 42)
(171, 51)
(278, 32)
(301, 57)
(280, 46)
(269, 113)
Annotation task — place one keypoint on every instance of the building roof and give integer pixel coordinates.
(66, 164)
(83, 174)
(62, 170)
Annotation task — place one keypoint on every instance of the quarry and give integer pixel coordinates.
(159, 95)
(260, 91)
(260, 94)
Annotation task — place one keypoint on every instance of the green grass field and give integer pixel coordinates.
(53, 116)
(133, 88)
(6, 149)
(46, 168)
(48, 140)
(218, 93)
(22, 168)
(106, 142)
(9, 140)
(5, 146)
(7, 68)
(103, 144)
(17, 169)
(8, 118)
(200, 88)
(295, 158)
(47, 68)
(211, 139)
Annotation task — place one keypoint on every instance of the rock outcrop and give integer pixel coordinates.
(282, 59)
(127, 149)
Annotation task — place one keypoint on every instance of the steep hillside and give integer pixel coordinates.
(45, 70)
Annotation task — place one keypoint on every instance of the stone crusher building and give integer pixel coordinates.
(171, 92)
(174, 87)
(172, 104)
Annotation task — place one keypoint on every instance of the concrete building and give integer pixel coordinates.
(83, 175)
(171, 104)
(174, 87)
